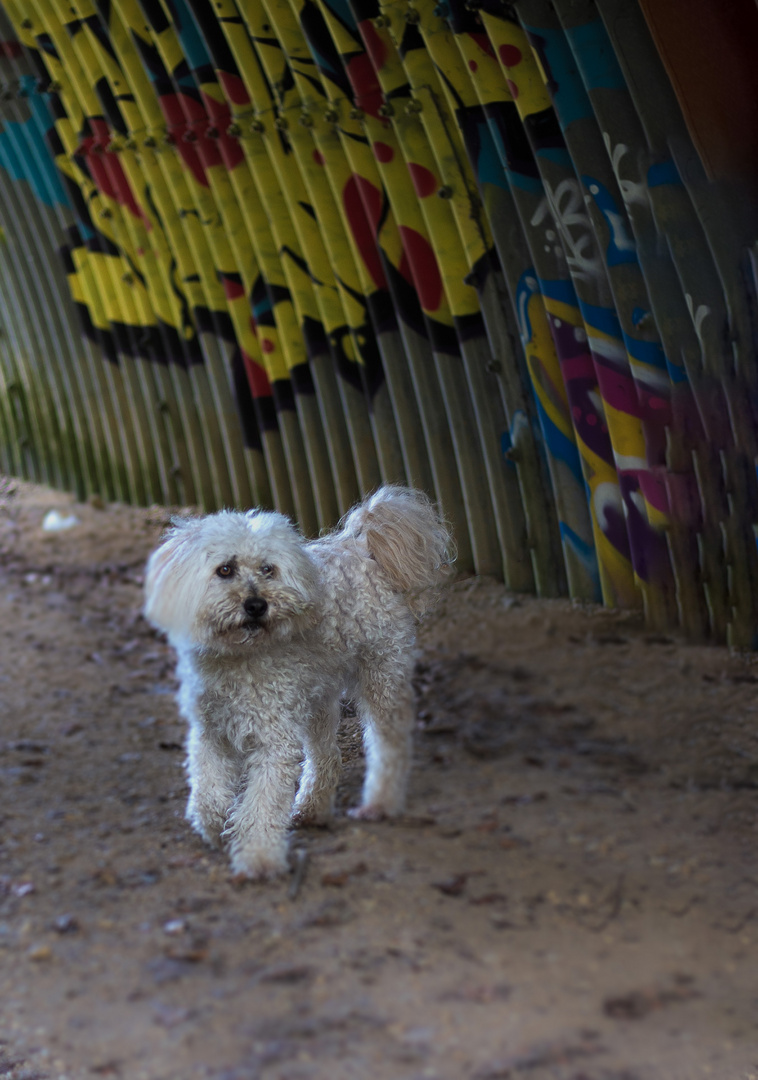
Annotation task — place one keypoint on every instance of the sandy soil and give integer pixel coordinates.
(572, 895)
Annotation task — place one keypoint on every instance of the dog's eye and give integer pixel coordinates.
(225, 571)
(268, 570)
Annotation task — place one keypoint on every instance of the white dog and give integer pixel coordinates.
(270, 631)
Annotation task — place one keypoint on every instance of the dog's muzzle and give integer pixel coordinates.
(255, 608)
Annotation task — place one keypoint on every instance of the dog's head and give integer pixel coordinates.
(231, 580)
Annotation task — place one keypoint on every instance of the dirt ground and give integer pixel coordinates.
(573, 893)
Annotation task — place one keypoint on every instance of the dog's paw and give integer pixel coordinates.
(212, 838)
(308, 818)
(207, 824)
(259, 865)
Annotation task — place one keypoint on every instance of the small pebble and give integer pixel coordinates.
(66, 924)
(39, 952)
(174, 927)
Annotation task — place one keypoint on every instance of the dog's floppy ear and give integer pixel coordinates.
(168, 578)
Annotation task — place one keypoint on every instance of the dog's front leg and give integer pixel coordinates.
(213, 779)
(258, 825)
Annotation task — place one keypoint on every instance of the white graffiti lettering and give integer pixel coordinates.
(566, 207)
(632, 191)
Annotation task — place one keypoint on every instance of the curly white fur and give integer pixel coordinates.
(270, 631)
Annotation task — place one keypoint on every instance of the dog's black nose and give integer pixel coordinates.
(255, 606)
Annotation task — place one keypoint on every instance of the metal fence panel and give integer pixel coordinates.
(278, 252)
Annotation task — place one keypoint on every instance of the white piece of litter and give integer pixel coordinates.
(54, 521)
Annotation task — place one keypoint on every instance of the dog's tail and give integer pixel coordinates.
(408, 538)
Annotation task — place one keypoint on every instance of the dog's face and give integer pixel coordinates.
(231, 580)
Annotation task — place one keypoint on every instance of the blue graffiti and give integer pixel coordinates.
(193, 45)
(663, 172)
(569, 97)
(595, 57)
(560, 446)
(585, 553)
(621, 246)
(25, 155)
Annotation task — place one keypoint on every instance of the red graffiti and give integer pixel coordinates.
(256, 377)
(484, 44)
(234, 88)
(424, 267)
(363, 203)
(383, 152)
(424, 180)
(233, 290)
(510, 55)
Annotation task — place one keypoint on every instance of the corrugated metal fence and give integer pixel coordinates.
(279, 251)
